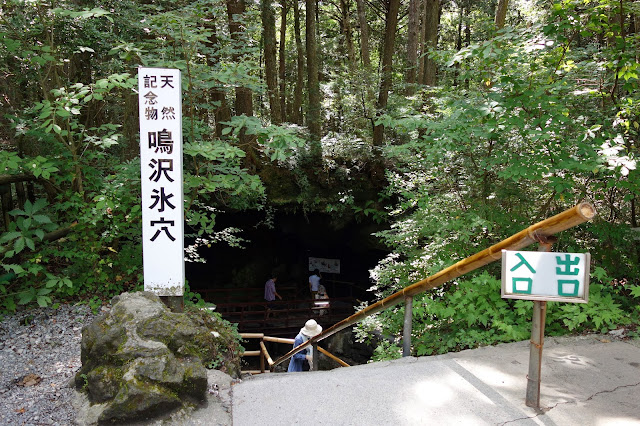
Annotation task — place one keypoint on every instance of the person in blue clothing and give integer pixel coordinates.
(310, 329)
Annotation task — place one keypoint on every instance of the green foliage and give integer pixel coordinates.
(72, 76)
(525, 122)
(471, 313)
(19, 244)
(29, 225)
(63, 114)
(279, 143)
(387, 351)
(109, 231)
(513, 144)
(225, 356)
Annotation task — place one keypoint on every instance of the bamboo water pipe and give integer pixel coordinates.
(574, 216)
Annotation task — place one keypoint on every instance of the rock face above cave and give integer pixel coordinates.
(141, 360)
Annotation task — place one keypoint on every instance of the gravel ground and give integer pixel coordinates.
(39, 355)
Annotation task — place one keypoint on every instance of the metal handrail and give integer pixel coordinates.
(574, 216)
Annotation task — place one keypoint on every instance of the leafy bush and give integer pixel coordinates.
(228, 351)
(471, 313)
(512, 145)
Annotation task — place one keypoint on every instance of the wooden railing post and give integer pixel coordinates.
(263, 355)
(408, 323)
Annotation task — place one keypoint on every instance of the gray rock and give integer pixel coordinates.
(618, 333)
(141, 360)
(102, 382)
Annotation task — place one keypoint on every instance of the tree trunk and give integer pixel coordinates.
(297, 92)
(281, 60)
(364, 35)
(235, 10)
(314, 121)
(21, 194)
(458, 43)
(319, 44)
(431, 24)
(347, 33)
(270, 64)
(131, 126)
(413, 28)
(421, 42)
(501, 13)
(366, 76)
(7, 204)
(244, 96)
(387, 66)
(636, 29)
(467, 39)
(222, 112)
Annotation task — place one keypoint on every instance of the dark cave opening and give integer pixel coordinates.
(284, 249)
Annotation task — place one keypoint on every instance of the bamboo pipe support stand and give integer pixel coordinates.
(407, 328)
(537, 335)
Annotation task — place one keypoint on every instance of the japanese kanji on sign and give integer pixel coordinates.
(324, 265)
(531, 275)
(160, 106)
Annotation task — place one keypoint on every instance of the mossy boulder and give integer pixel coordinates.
(140, 360)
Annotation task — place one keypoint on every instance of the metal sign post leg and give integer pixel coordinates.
(537, 336)
(535, 354)
(314, 352)
(406, 333)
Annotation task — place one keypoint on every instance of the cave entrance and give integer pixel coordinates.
(283, 246)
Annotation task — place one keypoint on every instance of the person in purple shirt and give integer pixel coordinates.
(270, 294)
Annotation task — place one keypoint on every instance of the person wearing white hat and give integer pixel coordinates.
(311, 329)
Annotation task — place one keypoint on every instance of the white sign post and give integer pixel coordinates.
(534, 275)
(160, 106)
(543, 276)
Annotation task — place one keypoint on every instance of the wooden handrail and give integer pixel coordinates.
(278, 340)
(581, 213)
(266, 353)
(222, 296)
(285, 302)
(239, 289)
(333, 357)
(252, 335)
(263, 353)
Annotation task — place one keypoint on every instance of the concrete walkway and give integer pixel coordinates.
(590, 380)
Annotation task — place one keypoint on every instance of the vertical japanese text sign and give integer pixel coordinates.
(534, 275)
(160, 105)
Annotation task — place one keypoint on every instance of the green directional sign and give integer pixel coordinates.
(533, 275)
